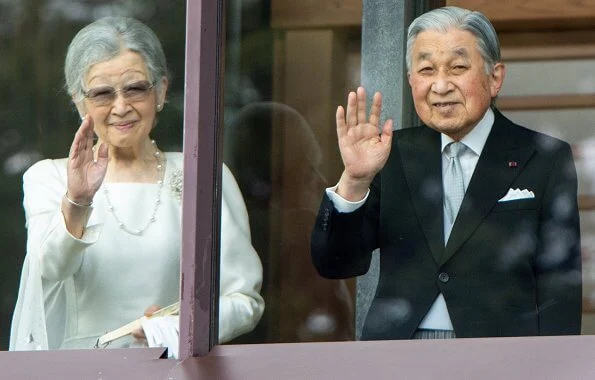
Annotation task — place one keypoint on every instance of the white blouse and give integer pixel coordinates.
(74, 290)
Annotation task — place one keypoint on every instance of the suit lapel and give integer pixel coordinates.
(423, 170)
(490, 181)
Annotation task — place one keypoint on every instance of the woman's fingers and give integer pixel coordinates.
(102, 152)
(86, 127)
(78, 137)
(139, 333)
(89, 131)
(100, 163)
(83, 139)
(151, 309)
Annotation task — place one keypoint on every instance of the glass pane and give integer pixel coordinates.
(563, 77)
(574, 126)
(281, 87)
(39, 121)
(286, 71)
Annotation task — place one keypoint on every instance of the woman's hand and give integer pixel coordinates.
(85, 173)
(364, 148)
(140, 333)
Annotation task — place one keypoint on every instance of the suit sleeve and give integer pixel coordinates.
(342, 243)
(558, 266)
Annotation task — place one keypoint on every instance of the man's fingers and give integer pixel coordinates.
(351, 109)
(361, 105)
(340, 117)
(376, 110)
(387, 132)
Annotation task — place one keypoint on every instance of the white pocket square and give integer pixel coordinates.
(516, 194)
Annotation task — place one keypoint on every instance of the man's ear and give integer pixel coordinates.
(497, 79)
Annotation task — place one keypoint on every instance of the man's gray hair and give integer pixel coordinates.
(442, 19)
(104, 39)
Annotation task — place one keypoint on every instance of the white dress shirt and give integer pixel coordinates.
(438, 317)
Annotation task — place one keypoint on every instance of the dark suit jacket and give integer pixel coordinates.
(509, 268)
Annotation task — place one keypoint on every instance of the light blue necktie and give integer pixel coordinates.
(454, 185)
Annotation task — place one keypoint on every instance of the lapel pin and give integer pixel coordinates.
(513, 164)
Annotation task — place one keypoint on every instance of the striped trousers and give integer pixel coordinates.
(433, 334)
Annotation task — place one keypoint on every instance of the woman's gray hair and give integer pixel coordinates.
(104, 39)
(442, 19)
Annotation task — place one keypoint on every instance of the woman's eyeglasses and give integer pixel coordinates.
(133, 92)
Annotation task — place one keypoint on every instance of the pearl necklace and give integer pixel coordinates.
(161, 161)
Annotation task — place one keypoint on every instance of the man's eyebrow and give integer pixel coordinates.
(423, 55)
(460, 52)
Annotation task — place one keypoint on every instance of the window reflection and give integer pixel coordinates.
(278, 146)
(277, 161)
(556, 122)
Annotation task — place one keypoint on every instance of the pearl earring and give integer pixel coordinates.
(159, 107)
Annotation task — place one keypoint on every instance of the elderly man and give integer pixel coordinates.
(476, 217)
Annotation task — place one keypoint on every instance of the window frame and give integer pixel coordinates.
(203, 120)
(199, 269)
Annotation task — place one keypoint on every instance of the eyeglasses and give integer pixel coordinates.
(133, 92)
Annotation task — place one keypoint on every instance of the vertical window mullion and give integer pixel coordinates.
(202, 179)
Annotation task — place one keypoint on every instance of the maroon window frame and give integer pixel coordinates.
(202, 177)
(513, 358)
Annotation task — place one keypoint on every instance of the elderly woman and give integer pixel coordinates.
(103, 241)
